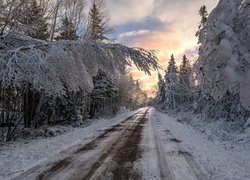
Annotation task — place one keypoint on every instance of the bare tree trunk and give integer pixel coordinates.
(54, 21)
(37, 111)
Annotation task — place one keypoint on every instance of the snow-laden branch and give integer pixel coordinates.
(224, 52)
(51, 67)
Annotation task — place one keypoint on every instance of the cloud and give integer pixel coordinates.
(132, 34)
(127, 11)
(167, 42)
(165, 25)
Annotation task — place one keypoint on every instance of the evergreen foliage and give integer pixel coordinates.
(201, 33)
(98, 22)
(34, 21)
(185, 72)
(171, 79)
(50, 82)
(204, 15)
(161, 93)
(185, 91)
(68, 31)
(175, 89)
(104, 94)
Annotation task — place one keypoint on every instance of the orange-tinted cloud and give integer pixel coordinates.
(166, 43)
(177, 23)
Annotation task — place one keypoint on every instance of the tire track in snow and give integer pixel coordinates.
(95, 158)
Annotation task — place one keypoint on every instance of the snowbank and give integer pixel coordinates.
(221, 159)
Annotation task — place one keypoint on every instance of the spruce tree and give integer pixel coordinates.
(171, 79)
(34, 21)
(104, 93)
(184, 88)
(185, 72)
(98, 25)
(161, 93)
(204, 16)
(68, 31)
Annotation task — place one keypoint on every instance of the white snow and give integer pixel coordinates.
(224, 52)
(16, 157)
(220, 159)
(219, 153)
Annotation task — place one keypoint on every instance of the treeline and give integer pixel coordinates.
(194, 87)
(182, 89)
(175, 87)
(55, 19)
(58, 67)
(110, 94)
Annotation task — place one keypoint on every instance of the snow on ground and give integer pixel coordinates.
(220, 158)
(16, 157)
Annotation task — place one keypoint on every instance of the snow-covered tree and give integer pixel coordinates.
(185, 72)
(50, 80)
(224, 55)
(201, 33)
(204, 15)
(184, 85)
(171, 79)
(161, 92)
(104, 94)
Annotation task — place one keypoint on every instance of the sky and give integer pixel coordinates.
(168, 26)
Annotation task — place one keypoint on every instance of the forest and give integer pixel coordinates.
(59, 66)
(216, 85)
(125, 89)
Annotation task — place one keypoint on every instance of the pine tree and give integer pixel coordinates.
(34, 21)
(171, 79)
(161, 93)
(104, 93)
(185, 72)
(184, 88)
(98, 24)
(68, 30)
(204, 16)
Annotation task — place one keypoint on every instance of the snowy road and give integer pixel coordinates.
(111, 153)
(136, 148)
(143, 144)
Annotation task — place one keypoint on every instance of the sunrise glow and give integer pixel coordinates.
(164, 25)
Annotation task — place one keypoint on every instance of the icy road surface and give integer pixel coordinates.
(143, 144)
(136, 148)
